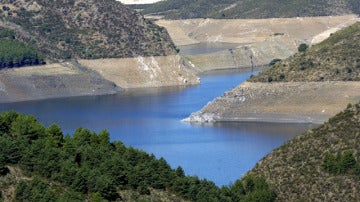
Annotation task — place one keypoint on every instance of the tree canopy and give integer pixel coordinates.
(14, 53)
(88, 166)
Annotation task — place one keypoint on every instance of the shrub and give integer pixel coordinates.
(274, 61)
(303, 47)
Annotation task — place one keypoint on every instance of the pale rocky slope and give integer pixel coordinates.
(310, 86)
(264, 39)
(51, 81)
(93, 77)
(295, 102)
(145, 72)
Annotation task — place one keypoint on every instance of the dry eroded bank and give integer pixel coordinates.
(263, 39)
(144, 72)
(93, 77)
(297, 102)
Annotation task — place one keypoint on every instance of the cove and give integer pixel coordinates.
(150, 120)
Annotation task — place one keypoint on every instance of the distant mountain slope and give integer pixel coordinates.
(335, 59)
(84, 29)
(321, 165)
(174, 9)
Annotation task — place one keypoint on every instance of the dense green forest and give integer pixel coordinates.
(14, 53)
(174, 9)
(42, 164)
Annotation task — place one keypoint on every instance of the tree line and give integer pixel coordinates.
(14, 53)
(88, 166)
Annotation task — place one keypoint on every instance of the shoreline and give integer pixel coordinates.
(264, 118)
(291, 102)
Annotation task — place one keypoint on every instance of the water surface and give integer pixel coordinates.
(149, 119)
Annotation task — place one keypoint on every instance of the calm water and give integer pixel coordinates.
(149, 119)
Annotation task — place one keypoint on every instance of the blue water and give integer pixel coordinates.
(150, 119)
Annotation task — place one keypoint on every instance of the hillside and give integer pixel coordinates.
(321, 165)
(264, 39)
(65, 36)
(309, 87)
(84, 29)
(39, 163)
(173, 9)
(335, 59)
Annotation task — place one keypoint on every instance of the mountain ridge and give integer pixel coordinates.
(84, 29)
(228, 9)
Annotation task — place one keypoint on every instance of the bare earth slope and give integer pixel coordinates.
(50, 81)
(93, 77)
(264, 39)
(145, 71)
(296, 102)
(307, 87)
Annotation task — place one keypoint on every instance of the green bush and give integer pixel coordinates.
(303, 47)
(274, 61)
(342, 163)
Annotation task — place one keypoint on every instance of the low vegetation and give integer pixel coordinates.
(341, 163)
(335, 59)
(63, 30)
(321, 165)
(41, 164)
(250, 9)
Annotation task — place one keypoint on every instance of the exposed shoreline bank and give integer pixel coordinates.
(292, 102)
(94, 77)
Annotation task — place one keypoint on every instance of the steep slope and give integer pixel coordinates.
(306, 168)
(335, 59)
(173, 9)
(84, 29)
(61, 33)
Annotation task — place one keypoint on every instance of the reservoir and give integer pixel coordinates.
(150, 120)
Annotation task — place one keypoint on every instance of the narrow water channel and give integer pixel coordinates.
(150, 119)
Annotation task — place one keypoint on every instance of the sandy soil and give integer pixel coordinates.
(298, 102)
